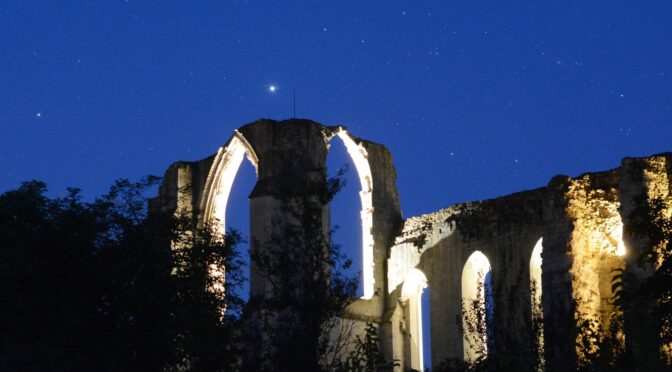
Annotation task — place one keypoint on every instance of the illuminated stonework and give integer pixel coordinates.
(536, 307)
(359, 157)
(220, 180)
(474, 310)
(596, 242)
(411, 302)
(586, 225)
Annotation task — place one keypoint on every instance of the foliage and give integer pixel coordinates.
(601, 342)
(476, 327)
(656, 225)
(650, 296)
(107, 286)
(307, 287)
(365, 356)
(95, 286)
(600, 349)
(536, 342)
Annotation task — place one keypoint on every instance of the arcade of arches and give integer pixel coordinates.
(555, 246)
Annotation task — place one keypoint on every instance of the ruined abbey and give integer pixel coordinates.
(556, 246)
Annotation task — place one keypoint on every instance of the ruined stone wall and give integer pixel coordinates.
(644, 181)
(581, 222)
(582, 248)
(505, 230)
(290, 158)
(585, 224)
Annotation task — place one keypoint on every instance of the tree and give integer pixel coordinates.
(644, 289)
(96, 286)
(290, 323)
(48, 318)
(476, 327)
(365, 356)
(105, 285)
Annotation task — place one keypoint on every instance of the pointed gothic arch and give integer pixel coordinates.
(359, 157)
(220, 180)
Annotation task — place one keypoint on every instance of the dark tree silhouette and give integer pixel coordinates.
(96, 286)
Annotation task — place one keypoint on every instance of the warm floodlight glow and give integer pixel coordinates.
(617, 234)
(359, 157)
(535, 261)
(535, 272)
(620, 250)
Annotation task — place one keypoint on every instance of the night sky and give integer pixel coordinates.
(474, 99)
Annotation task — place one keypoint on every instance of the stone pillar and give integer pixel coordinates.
(557, 301)
(289, 242)
(175, 192)
(582, 248)
(643, 180)
(386, 216)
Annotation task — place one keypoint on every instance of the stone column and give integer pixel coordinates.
(557, 301)
(643, 180)
(582, 248)
(290, 233)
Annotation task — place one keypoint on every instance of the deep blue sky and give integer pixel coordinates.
(474, 99)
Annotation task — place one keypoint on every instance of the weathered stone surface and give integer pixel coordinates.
(580, 221)
(643, 180)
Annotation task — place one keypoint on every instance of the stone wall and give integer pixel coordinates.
(644, 181)
(505, 230)
(585, 225)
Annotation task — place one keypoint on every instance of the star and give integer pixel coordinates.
(38, 115)
(272, 88)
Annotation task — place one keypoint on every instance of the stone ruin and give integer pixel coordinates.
(564, 240)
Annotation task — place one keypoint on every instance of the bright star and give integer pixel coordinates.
(39, 114)
(272, 88)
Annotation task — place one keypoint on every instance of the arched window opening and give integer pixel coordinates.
(358, 156)
(217, 196)
(345, 210)
(536, 304)
(415, 294)
(477, 307)
(238, 217)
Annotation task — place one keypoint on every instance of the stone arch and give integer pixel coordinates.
(359, 157)
(475, 306)
(411, 292)
(220, 180)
